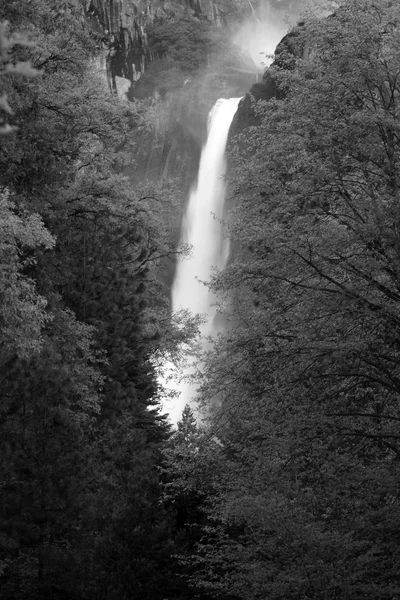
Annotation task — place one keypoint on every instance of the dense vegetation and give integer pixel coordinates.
(184, 50)
(290, 489)
(81, 315)
(303, 497)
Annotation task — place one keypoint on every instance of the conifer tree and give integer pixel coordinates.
(80, 428)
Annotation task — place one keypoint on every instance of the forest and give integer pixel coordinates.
(289, 487)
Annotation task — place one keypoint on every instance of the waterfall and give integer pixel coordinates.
(201, 229)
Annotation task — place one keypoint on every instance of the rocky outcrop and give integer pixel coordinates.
(137, 37)
(144, 57)
(286, 53)
(122, 25)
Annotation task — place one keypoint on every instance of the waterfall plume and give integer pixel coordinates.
(202, 230)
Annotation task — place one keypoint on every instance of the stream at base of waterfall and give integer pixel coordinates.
(202, 230)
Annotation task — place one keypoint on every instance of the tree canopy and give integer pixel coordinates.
(289, 489)
(81, 313)
(305, 381)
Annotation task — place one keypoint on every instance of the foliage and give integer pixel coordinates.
(7, 42)
(186, 41)
(81, 313)
(306, 380)
(186, 51)
(190, 474)
(290, 489)
(22, 310)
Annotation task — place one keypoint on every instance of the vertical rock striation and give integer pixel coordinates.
(123, 27)
(158, 51)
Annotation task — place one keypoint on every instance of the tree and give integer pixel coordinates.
(80, 426)
(23, 313)
(7, 42)
(307, 377)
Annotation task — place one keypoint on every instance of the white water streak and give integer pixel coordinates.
(202, 230)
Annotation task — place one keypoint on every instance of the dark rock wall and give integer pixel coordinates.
(123, 27)
(123, 24)
(286, 53)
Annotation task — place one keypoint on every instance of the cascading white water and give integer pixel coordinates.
(201, 229)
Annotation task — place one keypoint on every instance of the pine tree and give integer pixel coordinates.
(80, 428)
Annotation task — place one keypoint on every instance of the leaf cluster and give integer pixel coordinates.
(305, 383)
(81, 314)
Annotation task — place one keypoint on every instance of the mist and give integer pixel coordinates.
(270, 22)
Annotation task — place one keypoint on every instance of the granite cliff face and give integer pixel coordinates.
(176, 56)
(123, 26)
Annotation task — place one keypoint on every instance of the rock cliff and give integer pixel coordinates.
(123, 25)
(286, 53)
(175, 58)
(176, 55)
